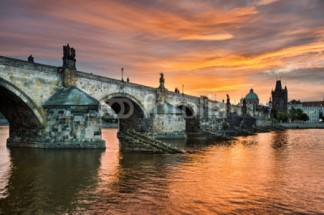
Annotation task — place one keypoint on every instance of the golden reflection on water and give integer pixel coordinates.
(109, 168)
(272, 173)
(250, 176)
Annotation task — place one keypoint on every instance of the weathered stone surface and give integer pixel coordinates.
(168, 121)
(71, 96)
(134, 141)
(37, 81)
(72, 120)
(26, 89)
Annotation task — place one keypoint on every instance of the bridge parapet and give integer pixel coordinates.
(157, 110)
(38, 81)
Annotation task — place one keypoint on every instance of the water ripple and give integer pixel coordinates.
(268, 173)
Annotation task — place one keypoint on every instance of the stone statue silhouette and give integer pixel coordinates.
(162, 81)
(72, 53)
(68, 53)
(161, 77)
(69, 57)
(31, 59)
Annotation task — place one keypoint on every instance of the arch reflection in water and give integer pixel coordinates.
(280, 139)
(248, 176)
(48, 181)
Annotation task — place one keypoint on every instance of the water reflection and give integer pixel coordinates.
(137, 181)
(279, 139)
(48, 180)
(268, 173)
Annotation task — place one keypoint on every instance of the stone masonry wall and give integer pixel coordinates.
(101, 88)
(168, 125)
(36, 80)
(39, 82)
(73, 127)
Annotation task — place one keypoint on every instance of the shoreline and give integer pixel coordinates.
(303, 125)
(232, 133)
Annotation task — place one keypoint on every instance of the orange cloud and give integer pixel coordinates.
(208, 47)
(208, 37)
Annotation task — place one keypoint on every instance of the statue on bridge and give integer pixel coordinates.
(244, 107)
(69, 57)
(162, 87)
(228, 105)
(161, 90)
(161, 80)
(228, 101)
(69, 69)
(31, 59)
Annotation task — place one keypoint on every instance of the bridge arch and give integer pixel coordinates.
(190, 116)
(130, 111)
(24, 116)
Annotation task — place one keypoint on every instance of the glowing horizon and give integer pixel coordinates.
(213, 48)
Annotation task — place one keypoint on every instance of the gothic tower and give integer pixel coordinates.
(280, 98)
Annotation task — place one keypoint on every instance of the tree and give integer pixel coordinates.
(283, 117)
(321, 117)
(274, 113)
(297, 115)
(304, 117)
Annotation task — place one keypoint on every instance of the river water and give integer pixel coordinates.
(276, 172)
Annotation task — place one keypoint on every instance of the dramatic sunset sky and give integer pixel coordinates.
(212, 47)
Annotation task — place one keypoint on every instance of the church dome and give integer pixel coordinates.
(251, 96)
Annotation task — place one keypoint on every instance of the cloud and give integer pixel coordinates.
(209, 46)
(208, 37)
(265, 2)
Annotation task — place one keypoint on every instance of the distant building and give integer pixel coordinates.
(312, 108)
(253, 108)
(252, 101)
(252, 98)
(280, 98)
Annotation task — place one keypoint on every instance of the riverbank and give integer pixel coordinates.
(264, 129)
(109, 125)
(302, 125)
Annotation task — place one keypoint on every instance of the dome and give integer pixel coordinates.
(251, 96)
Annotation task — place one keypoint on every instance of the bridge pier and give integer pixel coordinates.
(72, 121)
(25, 136)
(167, 120)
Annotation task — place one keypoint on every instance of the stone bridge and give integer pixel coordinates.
(53, 107)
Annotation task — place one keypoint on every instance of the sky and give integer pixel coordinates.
(212, 47)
